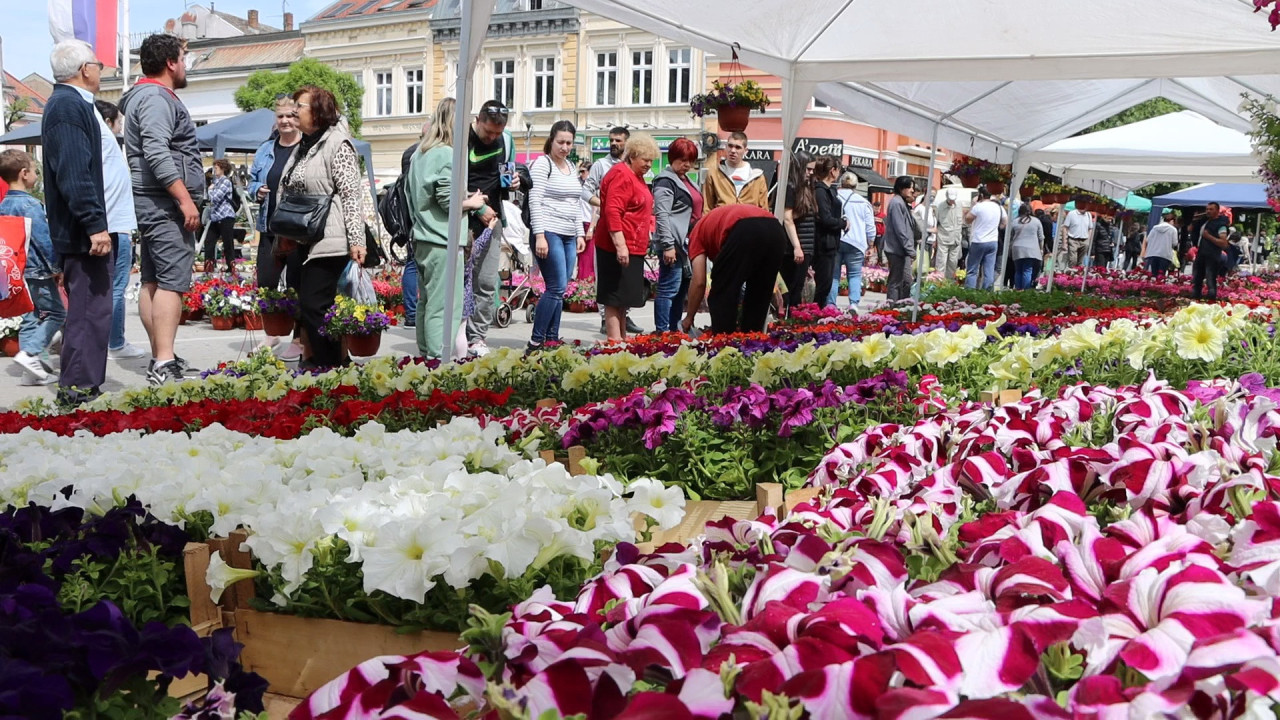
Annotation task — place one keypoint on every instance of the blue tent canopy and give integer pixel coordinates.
(246, 132)
(1252, 196)
(25, 135)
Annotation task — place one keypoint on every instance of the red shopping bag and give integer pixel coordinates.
(15, 301)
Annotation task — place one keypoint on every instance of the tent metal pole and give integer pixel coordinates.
(1014, 184)
(461, 114)
(918, 290)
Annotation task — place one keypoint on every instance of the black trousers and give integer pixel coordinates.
(753, 253)
(225, 230)
(88, 328)
(316, 293)
(824, 271)
(900, 277)
(1204, 271)
(270, 266)
(796, 278)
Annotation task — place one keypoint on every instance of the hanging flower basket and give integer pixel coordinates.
(364, 345)
(733, 118)
(995, 187)
(969, 181)
(252, 321)
(277, 324)
(1026, 192)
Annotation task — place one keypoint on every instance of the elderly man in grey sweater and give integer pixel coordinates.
(901, 234)
(168, 181)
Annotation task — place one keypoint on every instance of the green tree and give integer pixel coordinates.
(1155, 107)
(263, 87)
(15, 111)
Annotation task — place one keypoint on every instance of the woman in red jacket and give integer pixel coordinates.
(622, 234)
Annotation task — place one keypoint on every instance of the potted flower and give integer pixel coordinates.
(1264, 115)
(361, 325)
(967, 169)
(1053, 193)
(9, 335)
(278, 309)
(580, 296)
(1030, 186)
(221, 308)
(996, 177)
(192, 306)
(731, 102)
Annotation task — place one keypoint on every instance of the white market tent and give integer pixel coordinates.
(1182, 146)
(987, 77)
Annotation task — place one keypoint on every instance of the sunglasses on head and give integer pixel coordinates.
(495, 112)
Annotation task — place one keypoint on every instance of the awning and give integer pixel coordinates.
(874, 180)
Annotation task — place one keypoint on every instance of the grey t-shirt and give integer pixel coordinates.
(160, 141)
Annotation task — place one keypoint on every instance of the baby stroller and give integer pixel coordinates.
(516, 258)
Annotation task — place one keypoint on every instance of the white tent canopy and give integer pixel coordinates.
(1183, 146)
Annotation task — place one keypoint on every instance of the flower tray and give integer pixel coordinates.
(205, 615)
(298, 655)
(1001, 397)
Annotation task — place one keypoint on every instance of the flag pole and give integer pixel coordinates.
(125, 51)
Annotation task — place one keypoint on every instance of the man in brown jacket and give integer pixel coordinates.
(734, 181)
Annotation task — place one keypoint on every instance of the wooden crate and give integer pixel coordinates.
(1001, 397)
(298, 655)
(204, 614)
(773, 495)
(572, 461)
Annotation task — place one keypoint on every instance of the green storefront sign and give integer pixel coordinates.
(600, 148)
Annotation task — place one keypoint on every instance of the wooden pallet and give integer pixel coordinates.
(298, 655)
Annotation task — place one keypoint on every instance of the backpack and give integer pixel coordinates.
(393, 208)
(236, 201)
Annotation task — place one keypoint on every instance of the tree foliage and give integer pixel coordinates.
(263, 87)
(1155, 107)
(15, 111)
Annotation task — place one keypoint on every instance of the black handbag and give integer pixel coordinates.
(300, 217)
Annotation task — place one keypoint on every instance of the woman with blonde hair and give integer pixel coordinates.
(430, 188)
(622, 234)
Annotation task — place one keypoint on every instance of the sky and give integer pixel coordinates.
(26, 31)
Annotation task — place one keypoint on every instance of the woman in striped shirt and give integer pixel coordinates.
(555, 206)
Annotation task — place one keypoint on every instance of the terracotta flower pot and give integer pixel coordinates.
(733, 118)
(995, 187)
(277, 324)
(364, 345)
(1026, 193)
(252, 321)
(9, 346)
(222, 323)
(969, 181)
(577, 306)
(844, 292)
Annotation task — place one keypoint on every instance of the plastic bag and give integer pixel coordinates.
(356, 284)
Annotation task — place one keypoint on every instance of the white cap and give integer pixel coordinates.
(951, 194)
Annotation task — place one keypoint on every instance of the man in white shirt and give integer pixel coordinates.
(950, 230)
(1158, 249)
(1077, 229)
(985, 220)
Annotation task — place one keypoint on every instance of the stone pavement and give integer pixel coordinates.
(205, 347)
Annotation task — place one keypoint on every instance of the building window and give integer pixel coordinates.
(450, 77)
(533, 4)
(382, 93)
(504, 81)
(544, 83)
(819, 105)
(607, 78)
(416, 87)
(679, 75)
(642, 77)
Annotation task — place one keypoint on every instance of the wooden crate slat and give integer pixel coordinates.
(298, 655)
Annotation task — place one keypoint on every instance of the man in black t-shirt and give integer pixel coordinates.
(1209, 249)
(487, 151)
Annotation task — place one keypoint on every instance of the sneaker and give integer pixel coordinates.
(128, 352)
(165, 372)
(478, 349)
(55, 345)
(36, 372)
(291, 352)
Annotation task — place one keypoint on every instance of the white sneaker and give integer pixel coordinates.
(128, 352)
(478, 349)
(55, 345)
(37, 373)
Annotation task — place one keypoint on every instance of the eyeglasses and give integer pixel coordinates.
(100, 65)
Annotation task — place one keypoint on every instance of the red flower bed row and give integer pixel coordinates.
(283, 419)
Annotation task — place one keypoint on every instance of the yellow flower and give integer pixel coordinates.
(946, 348)
(992, 329)
(1079, 339)
(911, 350)
(873, 349)
(1199, 339)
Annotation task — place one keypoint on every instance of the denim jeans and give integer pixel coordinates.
(119, 285)
(1025, 271)
(1158, 265)
(851, 259)
(982, 257)
(672, 293)
(40, 325)
(409, 283)
(557, 267)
